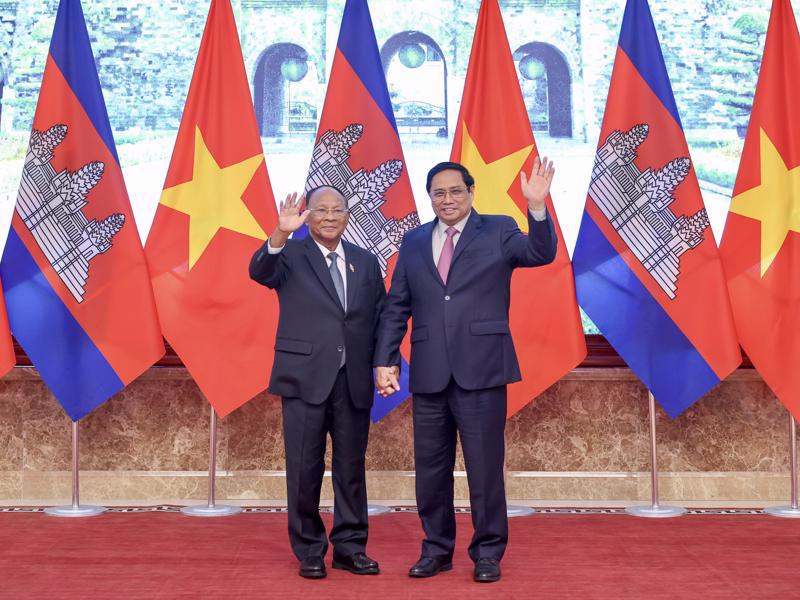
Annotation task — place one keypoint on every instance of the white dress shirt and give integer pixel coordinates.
(340, 263)
(439, 234)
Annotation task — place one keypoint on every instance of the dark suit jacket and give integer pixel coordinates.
(460, 330)
(313, 327)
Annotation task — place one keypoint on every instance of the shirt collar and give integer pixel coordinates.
(441, 227)
(339, 249)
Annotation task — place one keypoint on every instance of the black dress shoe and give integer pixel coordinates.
(487, 570)
(312, 567)
(428, 566)
(358, 563)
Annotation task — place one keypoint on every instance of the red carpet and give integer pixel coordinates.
(167, 555)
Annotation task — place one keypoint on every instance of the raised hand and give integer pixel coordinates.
(291, 215)
(536, 186)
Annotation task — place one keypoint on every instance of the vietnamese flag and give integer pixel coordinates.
(494, 141)
(215, 212)
(760, 251)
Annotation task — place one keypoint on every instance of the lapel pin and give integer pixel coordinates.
(352, 268)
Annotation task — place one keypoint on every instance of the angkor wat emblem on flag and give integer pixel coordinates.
(637, 204)
(364, 191)
(50, 204)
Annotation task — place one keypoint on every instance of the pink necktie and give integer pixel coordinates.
(446, 257)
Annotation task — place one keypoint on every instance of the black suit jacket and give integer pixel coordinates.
(460, 330)
(313, 327)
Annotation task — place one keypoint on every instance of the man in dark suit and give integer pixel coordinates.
(453, 278)
(330, 294)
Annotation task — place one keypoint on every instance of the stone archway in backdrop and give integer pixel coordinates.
(547, 87)
(416, 74)
(277, 112)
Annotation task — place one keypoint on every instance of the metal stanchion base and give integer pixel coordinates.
(652, 511)
(218, 510)
(783, 511)
(374, 510)
(82, 510)
(517, 510)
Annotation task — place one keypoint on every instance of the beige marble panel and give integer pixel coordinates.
(574, 487)
(252, 486)
(255, 438)
(577, 488)
(753, 486)
(391, 485)
(593, 421)
(157, 425)
(11, 486)
(391, 441)
(581, 425)
(738, 426)
(150, 425)
(46, 429)
(254, 434)
(103, 487)
(11, 419)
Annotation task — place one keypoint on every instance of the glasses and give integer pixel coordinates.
(321, 213)
(458, 193)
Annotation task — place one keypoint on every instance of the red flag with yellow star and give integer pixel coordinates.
(495, 142)
(215, 210)
(760, 251)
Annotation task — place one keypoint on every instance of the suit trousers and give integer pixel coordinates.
(479, 419)
(305, 430)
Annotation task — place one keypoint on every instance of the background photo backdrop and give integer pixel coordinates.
(563, 49)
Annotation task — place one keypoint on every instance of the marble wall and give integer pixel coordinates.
(585, 439)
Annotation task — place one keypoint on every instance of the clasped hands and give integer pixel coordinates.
(386, 380)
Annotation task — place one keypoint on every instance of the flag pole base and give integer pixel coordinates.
(788, 512)
(517, 510)
(218, 510)
(83, 510)
(655, 511)
(375, 510)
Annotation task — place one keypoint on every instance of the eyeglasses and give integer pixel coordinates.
(458, 193)
(321, 213)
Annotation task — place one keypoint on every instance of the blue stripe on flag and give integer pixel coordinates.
(639, 40)
(358, 44)
(72, 52)
(383, 406)
(636, 325)
(68, 361)
(301, 233)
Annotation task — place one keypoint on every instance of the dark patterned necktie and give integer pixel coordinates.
(338, 283)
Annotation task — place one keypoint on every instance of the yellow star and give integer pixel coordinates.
(213, 198)
(776, 202)
(493, 180)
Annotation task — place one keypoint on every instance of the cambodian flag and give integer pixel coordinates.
(647, 269)
(75, 281)
(358, 152)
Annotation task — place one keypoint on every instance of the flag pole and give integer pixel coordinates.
(75, 509)
(212, 509)
(791, 511)
(655, 509)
